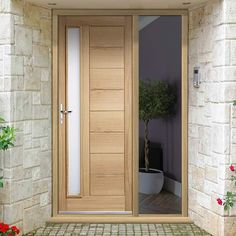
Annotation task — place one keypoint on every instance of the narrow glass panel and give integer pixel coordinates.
(160, 154)
(73, 103)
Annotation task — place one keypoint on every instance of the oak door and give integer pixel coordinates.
(95, 106)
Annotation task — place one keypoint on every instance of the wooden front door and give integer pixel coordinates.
(95, 105)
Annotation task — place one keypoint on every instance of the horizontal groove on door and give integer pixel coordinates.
(105, 185)
(106, 142)
(107, 164)
(106, 58)
(106, 36)
(107, 121)
(106, 100)
(107, 78)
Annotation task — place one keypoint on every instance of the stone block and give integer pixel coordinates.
(40, 56)
(46, 93)
(36, 173)
(32, 218)
(13, 213)
(31, 15)
(44, 199)
(32, 78)
(40, 128)
(21, 190)
(41, 186)
(29, 202)
(221, 113)
(13, 157)
(220, 138)
(23, 40)
(6, 29)
(221, 53)
(233, 53)
(211, 173)
(204, 140)
(41, 111)
(31, 158)
(22, 105)
(45, 75)
(45, 144)
(230, 12)
(198, 176)
(13, 65)
(36, 98)
(45, 164)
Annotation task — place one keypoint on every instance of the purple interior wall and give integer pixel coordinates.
(160, 59)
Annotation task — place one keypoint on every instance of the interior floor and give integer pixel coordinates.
(162, 203)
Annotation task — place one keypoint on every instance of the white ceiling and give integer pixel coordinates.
(118, 4)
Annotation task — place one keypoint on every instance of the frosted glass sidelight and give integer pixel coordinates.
(73, 103)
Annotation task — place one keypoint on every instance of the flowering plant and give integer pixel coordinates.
(6, 230)
(230, 198)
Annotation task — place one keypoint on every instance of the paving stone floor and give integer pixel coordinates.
(119, 230)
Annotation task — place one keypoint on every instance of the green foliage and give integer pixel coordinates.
(1, 182)
(7, 136)
(7, 139)
(156, 100)
(234, 102)
(229, 201)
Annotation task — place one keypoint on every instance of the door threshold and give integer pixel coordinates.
(118, 219)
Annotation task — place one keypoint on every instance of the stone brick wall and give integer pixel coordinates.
(25, 101)
(212, 139)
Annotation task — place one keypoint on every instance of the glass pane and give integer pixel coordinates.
(73, 103)
(160, 115)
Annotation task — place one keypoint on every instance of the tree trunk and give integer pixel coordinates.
(146, 147)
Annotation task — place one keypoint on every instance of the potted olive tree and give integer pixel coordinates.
(156, 100)
(7, 138)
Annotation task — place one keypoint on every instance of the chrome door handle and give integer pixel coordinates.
(63, 112)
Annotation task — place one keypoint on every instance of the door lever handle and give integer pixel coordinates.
(66, 112)
(63, 112)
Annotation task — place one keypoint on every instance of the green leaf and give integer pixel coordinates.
(1, 182)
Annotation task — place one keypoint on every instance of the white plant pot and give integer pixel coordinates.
(150, 183)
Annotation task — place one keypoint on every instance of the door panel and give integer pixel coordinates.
(107, 79)
(107, 121)
(105, 185)
(105, 58)
(106, 114)
(107, 37)
(106, 143)
(107, 100)
(107, 164)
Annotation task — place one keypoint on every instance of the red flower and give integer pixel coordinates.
(4, 227)
(10, 234)
(15, 229)
(1, 227)
(232, 168)
(220, 202)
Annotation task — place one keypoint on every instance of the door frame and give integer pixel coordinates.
(56, 217)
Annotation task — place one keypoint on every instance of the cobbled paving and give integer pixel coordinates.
(119, 230)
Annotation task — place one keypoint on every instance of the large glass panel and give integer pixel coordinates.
(73, 103)
(160, 115)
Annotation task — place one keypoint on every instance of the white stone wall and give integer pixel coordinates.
(212, 126)
(25, 101)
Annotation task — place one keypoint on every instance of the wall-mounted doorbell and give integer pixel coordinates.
(196, 77)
